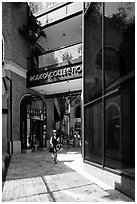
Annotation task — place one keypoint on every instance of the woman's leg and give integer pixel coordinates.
(54, 152)
(55, 157)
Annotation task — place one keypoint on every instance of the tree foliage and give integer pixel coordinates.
(125, 15)
(32, 31)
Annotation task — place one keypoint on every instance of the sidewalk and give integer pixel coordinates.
(33, 177)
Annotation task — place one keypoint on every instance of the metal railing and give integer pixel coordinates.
(57, 57)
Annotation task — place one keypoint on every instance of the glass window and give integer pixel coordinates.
(120, 129)
(93, 40)
(60, 13)
(56, 15)
(114, 64)
(93, 133)
(71, 54)
(117, 114)
(113, 127)
(113, 131)
(119, 64)
(119, 32)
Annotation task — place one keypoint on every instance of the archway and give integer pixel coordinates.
(32, 122)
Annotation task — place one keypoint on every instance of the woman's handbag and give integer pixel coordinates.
(58, 147)
(51, 149)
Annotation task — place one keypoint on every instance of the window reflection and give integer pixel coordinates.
(93, 133)
(119, 24)
(96, 8)
(113, 127)
(115, 96)
(122, 13)
(93, 40)
(115, 64)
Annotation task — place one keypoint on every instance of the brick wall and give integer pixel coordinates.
(17, 49)
(6, 28)
(19, 90)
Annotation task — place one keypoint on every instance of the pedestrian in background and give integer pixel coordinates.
(54, 145)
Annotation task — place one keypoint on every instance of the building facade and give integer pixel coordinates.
(36, 68)
(15, 52)
(109, 93)
(53, 49)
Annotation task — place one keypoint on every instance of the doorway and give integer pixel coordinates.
(37, 132)
(32, 122)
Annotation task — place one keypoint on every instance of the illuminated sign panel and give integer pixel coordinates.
(55, 75)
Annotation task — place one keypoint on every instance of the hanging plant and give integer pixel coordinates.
(32, 32)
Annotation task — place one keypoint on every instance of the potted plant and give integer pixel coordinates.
(32, 31)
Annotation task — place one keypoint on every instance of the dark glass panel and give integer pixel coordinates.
(119, 65)
(119, 41)
(120, 129)
(86, 134)
(92, 43)
(93, 133)
(113, 126)
(119, 89)
(113, 131)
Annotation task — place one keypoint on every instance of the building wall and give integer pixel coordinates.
(19, 90)
(16, 51)
(14, 15)
(6, 28)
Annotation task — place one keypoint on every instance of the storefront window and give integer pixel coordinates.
(119, 32)
(93, 133)
(93, 36)
(113, 132)
(113, 127)
(114, 64)
(109, 85)
(119, 59)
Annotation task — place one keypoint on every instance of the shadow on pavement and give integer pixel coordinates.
(39, 163)
(35, 177)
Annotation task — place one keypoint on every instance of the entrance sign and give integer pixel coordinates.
(53, 75)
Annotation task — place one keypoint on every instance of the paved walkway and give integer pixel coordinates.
(33, 177)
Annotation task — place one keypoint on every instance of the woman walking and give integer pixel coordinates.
(54, 142)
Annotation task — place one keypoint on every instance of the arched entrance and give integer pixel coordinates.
(32, 122)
